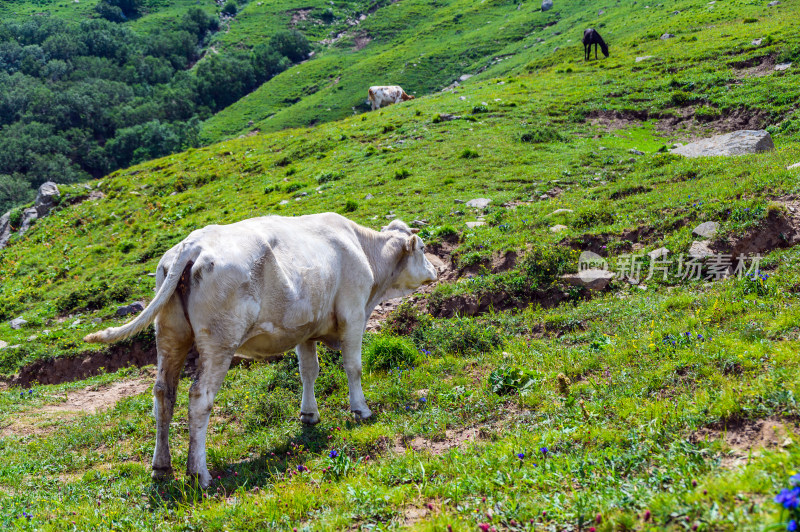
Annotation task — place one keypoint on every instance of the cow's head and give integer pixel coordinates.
(414, 269)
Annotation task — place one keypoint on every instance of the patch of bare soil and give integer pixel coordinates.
(750, 438)
(90, 400)
(473, 305)
(688, 128)
(628, 240)
(780, 229)
(361, 40)
(298, 15)
(414, 514)
(755, 67)
(611, 120)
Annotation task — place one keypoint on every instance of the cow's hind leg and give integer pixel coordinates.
(309, 371)
(213, 362)
(351, 354)
(173, 340)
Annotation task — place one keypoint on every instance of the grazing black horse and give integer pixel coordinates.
(591, 37)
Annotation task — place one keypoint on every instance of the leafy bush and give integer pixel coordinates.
(292, 44)
(93, 297)
(327, 177)
(480, 109)
(230, 9)
(293, 187)
(351, 205)
(387, 352)
(469, 154)
(401, 173)
(682, 98)
(593, 217)
(507, 380)
(462, 336)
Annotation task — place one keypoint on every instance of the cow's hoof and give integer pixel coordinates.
(363, 413)
(202, 479)
(309, 418)
(162, 473)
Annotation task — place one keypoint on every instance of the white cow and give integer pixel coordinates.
(381, 96)
(258, 288)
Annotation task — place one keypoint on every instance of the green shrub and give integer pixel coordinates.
(682, 98)
(326, 177)
(401, 173)
(126, 246)
(351, 205)
(93, 297)
(230, 8)
(593, 217)
(269, 189)
(461, 336)
(469, 154)
(293, 187)
(388, 352)
(480, 109)
(15, 218)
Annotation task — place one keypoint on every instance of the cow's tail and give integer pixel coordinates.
(148, 315)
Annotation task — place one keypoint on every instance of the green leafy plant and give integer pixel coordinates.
(507, 380)
(387, 352)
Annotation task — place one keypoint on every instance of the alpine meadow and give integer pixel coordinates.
(612, 342)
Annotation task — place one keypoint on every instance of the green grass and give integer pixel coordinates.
(639, 426)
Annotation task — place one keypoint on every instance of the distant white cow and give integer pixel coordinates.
(380, 96)
(258, 288)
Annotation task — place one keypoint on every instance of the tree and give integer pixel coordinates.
(230, 8)
(267, 62)
(292, 44)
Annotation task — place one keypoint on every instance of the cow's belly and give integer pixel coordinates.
(268, 345)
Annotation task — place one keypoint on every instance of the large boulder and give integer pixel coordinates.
(547, 5)
(46, 198)
(17, 323)
(479, 203)
(706, 229)
(593, 279)
(5, 229)
(741, 142)
(29, 216)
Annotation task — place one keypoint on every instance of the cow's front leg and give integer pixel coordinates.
(213, 367)
(309, 371)
(351, 353)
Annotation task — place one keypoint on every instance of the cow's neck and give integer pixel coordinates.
(384, 251)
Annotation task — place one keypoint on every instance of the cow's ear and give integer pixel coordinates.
(411, 243)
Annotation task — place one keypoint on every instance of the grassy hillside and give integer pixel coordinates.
(671, 404)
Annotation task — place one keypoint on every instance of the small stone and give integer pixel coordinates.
(782, 66)
(774, 3)
(601, 12)
(75, 324)
(793, 166)
(458, 201)
(706, 229)
(419, 223)
(32, 337)
(390, 216)
(757, 42)
(133, 308)
(464, 77)
(658, 253)
(700, 250)
(635, 151)
(18, 323)
(284, 202)
(544, 197)
(643, 58)
(472, 225)
(96, 320)
(368, 197)
(667, 36)
(558, 228)
(676, 12)
(3, 344)
(547, 5)
(479, 203)
(560, 211)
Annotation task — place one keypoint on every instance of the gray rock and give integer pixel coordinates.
(3, 344)
(706, 229)
(458, 201)
(464, 77)
(390, 216)
(790, 167)
(667, 36)
(700, 250)
(737, 143)
(676, 12)
(658, 253)
(29, 216)
(284, 202)
(46, 198)
(757, 42)
(5, 229)
(547, 5)
(773, 4)
(17, 323)
(419, 223)
(560, 211)
(782, 66)
(601, 12)
(558, 228)
(133, 308)
(643, 58)
(368, 197)
(635, 151)
(593, 279)
(479, 203)
(472, 225)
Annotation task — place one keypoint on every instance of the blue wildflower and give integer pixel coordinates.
(423, 400)
(544, 450)
(788, 498)
(30, 391)
(521, 456)
(795, 480)
(301, 468)
(333, 454)
(792, 526)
